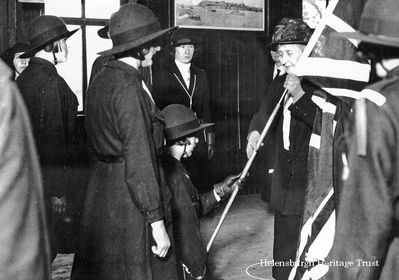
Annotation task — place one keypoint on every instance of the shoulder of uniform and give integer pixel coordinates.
(198, 69)
(378, 92)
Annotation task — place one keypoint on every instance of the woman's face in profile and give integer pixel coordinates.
(20, 63)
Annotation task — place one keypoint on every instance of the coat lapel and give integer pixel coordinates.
(179, 78)
(192, 80)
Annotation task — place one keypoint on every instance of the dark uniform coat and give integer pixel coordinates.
(187, 207)
(98, 66)
(290, 168)
(24, 241)
(289, 177)
(126, 191)
(52, 108)
(170, 88)
(367, 232)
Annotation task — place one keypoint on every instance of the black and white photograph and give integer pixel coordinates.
(196, 139)
(231, 14)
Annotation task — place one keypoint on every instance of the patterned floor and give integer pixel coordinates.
(243, 242)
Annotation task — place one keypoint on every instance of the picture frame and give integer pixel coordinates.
(32, 1)
(245, 15)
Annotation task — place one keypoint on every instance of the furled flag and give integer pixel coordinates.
(331, 63)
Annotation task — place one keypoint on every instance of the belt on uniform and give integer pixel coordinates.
(108, 158)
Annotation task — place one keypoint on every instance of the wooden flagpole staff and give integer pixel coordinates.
(245, 171)
(309, 47)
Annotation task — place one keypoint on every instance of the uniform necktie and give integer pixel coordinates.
(287, 121)
(277, 73)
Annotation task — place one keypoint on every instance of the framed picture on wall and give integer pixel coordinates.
(248, 15)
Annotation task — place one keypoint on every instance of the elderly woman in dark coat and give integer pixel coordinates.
(126, 215)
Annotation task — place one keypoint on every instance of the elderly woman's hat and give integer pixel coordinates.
(44, 30)
(180, 121)
(132, 26)
(379, 24)
(290, 31)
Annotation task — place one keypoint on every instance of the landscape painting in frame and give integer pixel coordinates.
(227, 14)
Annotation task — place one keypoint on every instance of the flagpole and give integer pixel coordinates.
(308, 49)
(245, 171)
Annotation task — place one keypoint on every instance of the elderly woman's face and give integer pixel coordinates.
(289, 55)
(20, 63)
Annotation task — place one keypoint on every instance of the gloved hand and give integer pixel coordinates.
(252, 140)
(225, 188)
(293, 85)
(210, 141)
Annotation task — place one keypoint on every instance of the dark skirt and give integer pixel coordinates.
(115, 240)
(286, 236)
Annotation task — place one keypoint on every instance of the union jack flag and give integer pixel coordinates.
(331, 63)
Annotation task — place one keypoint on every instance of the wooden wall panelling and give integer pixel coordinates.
(3, 25)
(14, 21)
(236, 62)
(8, 23)
(25, 13)
(284, 8)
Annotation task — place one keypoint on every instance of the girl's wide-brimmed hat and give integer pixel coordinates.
(131, 26)
(180, 121)
(379, 24)
(44, 30)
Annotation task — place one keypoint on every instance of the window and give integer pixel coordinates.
(83, 46)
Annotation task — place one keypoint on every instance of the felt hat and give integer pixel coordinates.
(290, 31)
(103, 32)
(379, 23)
(131, 26)
(44, 30)
(9, 54)
(182, 37)
(180, 121)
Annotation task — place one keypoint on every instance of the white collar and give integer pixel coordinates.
(131, 61)
(183, 67)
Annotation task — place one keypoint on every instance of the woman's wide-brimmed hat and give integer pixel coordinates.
(131, 26)
(44, 30)
(103, 32)
(180, 121)
(9, 54)
(379, 23)
(290, 31)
